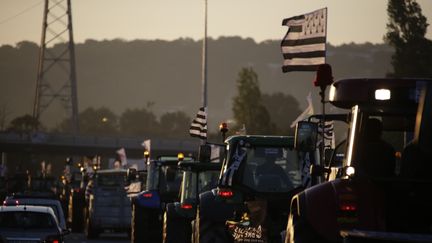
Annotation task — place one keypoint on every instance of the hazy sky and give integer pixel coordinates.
(348, 20)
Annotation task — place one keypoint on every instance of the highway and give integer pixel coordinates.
(105, 237)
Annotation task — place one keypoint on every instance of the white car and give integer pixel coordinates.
(38, 200)
(27, 223)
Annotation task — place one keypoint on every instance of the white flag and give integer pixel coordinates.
(146, 144)
(304, 45)
(306, 113)
(122, 154)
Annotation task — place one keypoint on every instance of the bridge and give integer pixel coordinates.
(71, 145)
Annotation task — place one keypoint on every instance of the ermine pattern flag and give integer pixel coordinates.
(198, 127)
(304, 45)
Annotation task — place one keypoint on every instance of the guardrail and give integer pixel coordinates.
(48, 139)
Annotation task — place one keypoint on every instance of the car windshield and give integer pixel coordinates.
(207, 180)
(271, 169)
(111, 179)
(32, 220)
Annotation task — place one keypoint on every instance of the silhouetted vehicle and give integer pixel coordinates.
(76, 201)
(38, 199)
(108, 207)
(27, 223)
(259, 175)
(198, 177)
(162, 187)
(378, 195)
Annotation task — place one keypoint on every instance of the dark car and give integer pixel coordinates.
(30, 224)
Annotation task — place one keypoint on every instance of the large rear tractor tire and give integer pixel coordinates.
(176, 229)
(210, 231)
(137, 225)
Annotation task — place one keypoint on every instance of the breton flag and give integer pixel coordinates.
(198, 127)
(304, 45)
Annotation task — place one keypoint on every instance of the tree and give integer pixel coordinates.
(283, 110)
(175, 124)
(406, 33)
(248, 108)
(101, 121)
(24, 124)
(139, 122)
(4, 113)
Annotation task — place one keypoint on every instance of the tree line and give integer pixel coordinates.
(258, 113)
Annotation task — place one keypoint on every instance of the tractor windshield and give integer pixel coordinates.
(207, 180)
(271, 169)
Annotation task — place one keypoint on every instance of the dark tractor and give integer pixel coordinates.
(76, 199)
(162, 187)
(381, 192)
(259, 176)
(197, 177)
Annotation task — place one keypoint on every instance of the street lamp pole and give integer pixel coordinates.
(204, 59)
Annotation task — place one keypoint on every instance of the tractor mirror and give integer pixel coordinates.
(204, 153)
(131, 174)
(306, 136)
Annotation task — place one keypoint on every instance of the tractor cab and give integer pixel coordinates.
(162, 186)
(259, 175)
(197, 178)
(380, 192)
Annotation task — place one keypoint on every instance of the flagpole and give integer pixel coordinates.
(204, 64)
(323, 95)
(204, 59)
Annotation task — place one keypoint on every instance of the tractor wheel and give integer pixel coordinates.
(210, 231)
(175, 228)
(77, 214)
(138, 231)
(299, 231)
(90, 232)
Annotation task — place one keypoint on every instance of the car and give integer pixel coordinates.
(26, 223)
(38, 199)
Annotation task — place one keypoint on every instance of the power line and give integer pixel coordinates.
(20, 13)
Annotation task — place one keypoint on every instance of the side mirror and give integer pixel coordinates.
(131, 174)
(306, 136)
(204, 153)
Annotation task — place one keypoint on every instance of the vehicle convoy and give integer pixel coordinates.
(162, 187)
(25, 223)
(198, 176)
(108, 207)
(258, 177)
(381, 193)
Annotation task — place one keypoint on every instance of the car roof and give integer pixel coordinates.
(33, 200)
(28, 208)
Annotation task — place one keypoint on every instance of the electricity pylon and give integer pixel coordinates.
(56, 77)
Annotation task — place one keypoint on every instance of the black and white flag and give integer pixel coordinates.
(304, 45)
(329, 138)
(198, 127)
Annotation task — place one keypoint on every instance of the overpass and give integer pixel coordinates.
(71, 145)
